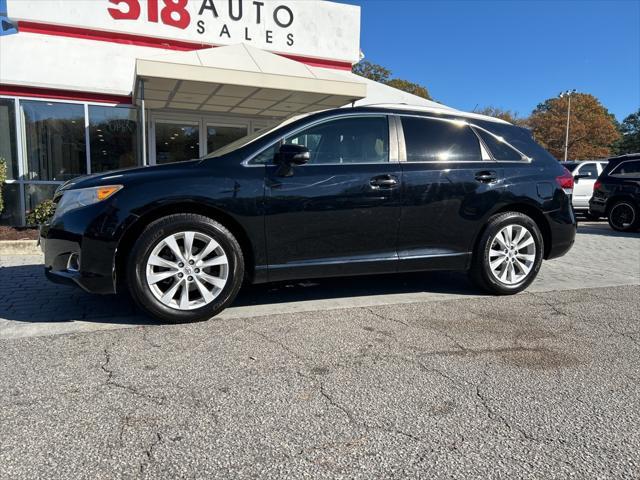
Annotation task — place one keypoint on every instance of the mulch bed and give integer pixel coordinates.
(11, 233)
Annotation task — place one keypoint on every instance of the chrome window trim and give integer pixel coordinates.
(337, 116)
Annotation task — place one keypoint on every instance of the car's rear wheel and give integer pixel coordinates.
(185, 268)
(508, 255)
(623, 216)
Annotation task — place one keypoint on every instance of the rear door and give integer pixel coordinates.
(449, 183)
(337, 214)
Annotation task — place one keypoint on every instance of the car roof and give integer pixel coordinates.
(404, 108)
(628, 156)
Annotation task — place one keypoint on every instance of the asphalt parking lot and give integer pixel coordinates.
(386, 377)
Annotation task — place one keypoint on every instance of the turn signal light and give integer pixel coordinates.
(103, 193)
(566, 181)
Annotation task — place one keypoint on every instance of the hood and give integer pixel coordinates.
(126, 175)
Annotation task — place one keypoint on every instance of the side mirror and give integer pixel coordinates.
(290, 154)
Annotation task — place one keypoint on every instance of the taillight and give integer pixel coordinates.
(597, 185)
(566, 181)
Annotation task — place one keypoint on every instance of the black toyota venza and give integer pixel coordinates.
(357, 191)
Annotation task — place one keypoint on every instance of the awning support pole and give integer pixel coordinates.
(143, 120)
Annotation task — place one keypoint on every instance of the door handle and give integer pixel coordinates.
(486, 176)
(384, 181)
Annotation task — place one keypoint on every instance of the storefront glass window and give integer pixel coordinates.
(36, 193)
(8, 150)
(177, 142)
(218, 137)
(113, 134)
(10, 215)
(55, 140)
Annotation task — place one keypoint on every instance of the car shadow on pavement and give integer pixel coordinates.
(27, 296)
(605, 230)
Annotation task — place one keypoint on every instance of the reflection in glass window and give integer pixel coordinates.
(176, 142)
(55, 142)
(500, 150)
(627, 168)
(346, 140)
(37, 193)
(11, 213)
(218, 137)
(430, 140)
(113, 138)
(8, 149)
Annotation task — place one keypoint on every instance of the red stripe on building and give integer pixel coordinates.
(154, 42)
(53, 94)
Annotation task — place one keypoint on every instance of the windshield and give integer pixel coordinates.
(241, 142)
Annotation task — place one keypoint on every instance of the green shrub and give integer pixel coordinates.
(3, 177)
(41, 213)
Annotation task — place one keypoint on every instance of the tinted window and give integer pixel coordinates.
(8, 147)
(627, 168)
(54, 140)
(113, 135)
(346, 140)
(430, 140)
(500, 150)
(589, 169)
(570, 166)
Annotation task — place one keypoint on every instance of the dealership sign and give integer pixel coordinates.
(310, 28)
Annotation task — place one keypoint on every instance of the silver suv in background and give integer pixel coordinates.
(585, 174)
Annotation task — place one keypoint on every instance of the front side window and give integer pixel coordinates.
(55, 142)
(346, 140)
(113, 134)
(431, 140)
(589, 170)
(498, 147)
(627, 168)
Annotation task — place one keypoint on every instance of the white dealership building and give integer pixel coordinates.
(88, 86)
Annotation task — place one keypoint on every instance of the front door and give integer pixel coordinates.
(585, 177)
(337, 214)
(448, 185)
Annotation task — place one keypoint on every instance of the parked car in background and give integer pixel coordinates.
(616, 193)
(350, 191)
(585, 174)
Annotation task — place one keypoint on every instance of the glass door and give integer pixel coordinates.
(176, 141)
(220, 135)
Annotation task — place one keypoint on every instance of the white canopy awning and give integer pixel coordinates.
(241, 79)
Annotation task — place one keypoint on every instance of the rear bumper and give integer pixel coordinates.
(598, 206)
(562, 227)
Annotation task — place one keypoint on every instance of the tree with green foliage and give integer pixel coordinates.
(502, 114)
(630, 135)
(380, 74)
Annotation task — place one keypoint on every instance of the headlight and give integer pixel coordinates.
(72, 199)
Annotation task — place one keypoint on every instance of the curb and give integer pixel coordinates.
(19, 247)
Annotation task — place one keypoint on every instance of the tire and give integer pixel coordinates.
(211, 282)
(500, 281)
(623, 216)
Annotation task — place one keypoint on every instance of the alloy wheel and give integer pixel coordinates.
(187, 270)
(622, 216)
(512, 254)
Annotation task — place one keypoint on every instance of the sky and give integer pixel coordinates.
(509, 54)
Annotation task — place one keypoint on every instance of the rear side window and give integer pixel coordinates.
(498, 147)
(627, 168)
(430, 140)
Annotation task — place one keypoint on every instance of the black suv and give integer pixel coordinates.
(616, 193)
(350, 191)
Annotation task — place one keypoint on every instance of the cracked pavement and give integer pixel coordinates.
(542, 385)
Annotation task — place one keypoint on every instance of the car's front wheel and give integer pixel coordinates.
(623, 216)
(185, 268)
(508, 255)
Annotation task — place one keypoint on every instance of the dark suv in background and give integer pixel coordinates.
(616, 193)
(350, 191)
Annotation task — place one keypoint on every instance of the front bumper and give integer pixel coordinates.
(92, 253)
